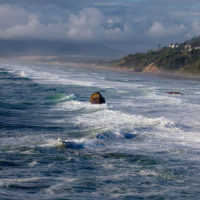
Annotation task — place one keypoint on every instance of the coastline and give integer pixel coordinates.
(161, 74)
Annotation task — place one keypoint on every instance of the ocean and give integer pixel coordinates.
(54, 145)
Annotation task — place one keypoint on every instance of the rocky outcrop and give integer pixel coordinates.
(97, 98)
(151, 68)
(177, 93)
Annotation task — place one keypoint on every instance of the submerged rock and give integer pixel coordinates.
(179, 93)
(97, 98)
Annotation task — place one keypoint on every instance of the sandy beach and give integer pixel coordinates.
(47, 61)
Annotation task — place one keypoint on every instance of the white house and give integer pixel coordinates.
(196, 48)
(188, 46)
(173, 46)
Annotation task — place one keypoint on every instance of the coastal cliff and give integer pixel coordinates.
(183, 57)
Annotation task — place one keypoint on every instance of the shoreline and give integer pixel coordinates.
(173, 75)
(161, 74)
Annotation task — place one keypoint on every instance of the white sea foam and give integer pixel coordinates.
(163, 98)
(69, 143)
(28, 152)
(32, 164)
(22, 74)
(7, 182)
(119, 123)
(116, 120)
(71, 96)
(62, 183)
(46, 77)
(102, 117)
(67, 77)
(148, 173)
(50, 143)
(78, 105)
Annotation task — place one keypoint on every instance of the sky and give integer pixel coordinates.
(127, 25)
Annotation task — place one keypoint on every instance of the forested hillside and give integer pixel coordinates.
(185, 57)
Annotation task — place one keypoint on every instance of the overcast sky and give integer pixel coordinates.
(132, 25)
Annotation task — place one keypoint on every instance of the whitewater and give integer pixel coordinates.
(142, 144)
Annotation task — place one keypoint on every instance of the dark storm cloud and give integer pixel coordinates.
(130, 24)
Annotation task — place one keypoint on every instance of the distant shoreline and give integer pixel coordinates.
(162, 74)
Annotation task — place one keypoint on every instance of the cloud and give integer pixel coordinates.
(86, 25)
(157, 29)
(33, 29)
(89, 25)
(123, 24)
(17, 23)
(10, 15)
(93, 25)
(172, 30)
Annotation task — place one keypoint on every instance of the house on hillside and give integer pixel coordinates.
(188, 46)
(173, 46)
(197, 48)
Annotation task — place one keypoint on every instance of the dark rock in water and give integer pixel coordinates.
(97, 98)
(179, 93)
